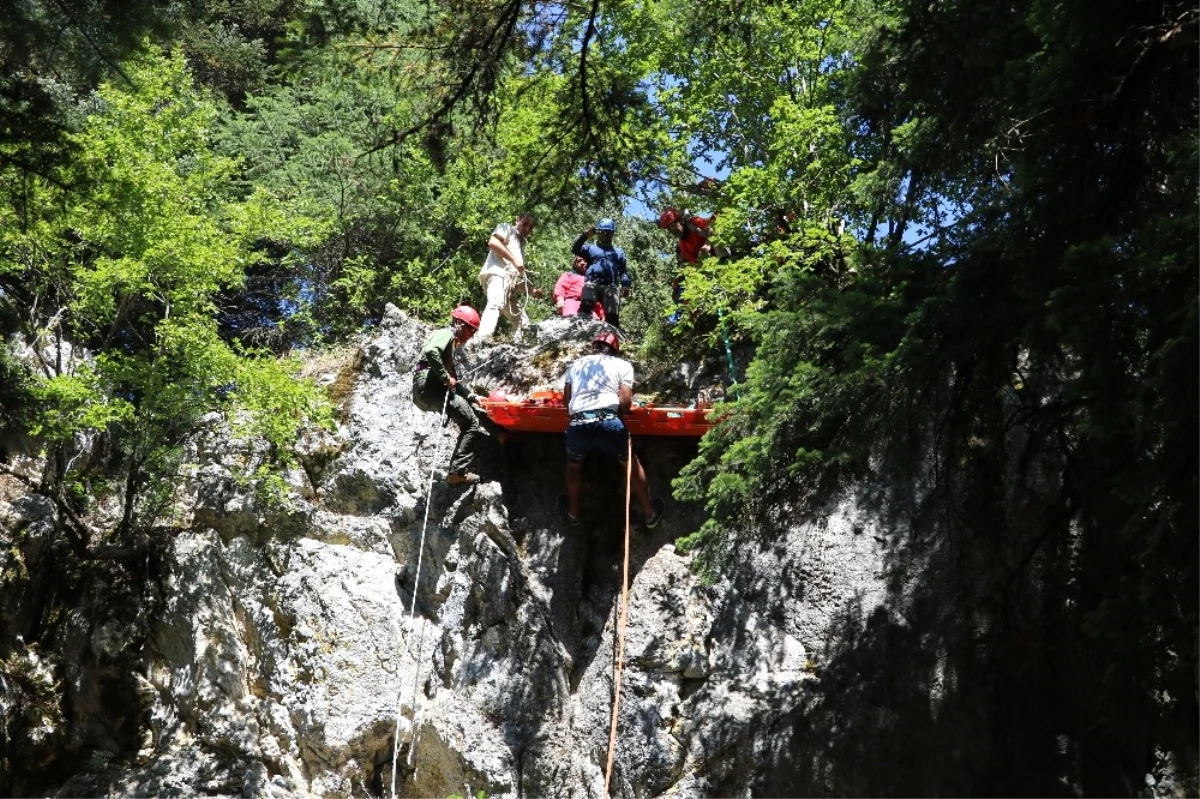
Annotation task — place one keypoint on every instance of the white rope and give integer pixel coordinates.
(413, 609)
(522, 304)
(525, 283)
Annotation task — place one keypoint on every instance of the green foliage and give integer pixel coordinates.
(126, 252)
(960, 239)
(16, 394)
(1031, 364)
(788, 436)
(72, 402)
(767, 110)
(53, 53)
(400, 225)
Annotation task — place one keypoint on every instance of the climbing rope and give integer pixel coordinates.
(733, 383)
(526, 283)
(412, 613)
(619, 665)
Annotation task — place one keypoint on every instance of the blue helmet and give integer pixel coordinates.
(605, 224)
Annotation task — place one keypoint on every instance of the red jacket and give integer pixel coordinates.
(569, 289)
(688, 248)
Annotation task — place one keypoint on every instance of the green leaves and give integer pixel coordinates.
(127, 252)
(149, 219)
(74, 402)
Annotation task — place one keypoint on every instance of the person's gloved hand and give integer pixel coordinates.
(624, 291)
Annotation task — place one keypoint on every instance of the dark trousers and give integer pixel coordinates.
(609, 298)
(429, 396)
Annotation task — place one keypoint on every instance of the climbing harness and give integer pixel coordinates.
(412, 613)
(619, 665)
(608, 295)
(616, 298)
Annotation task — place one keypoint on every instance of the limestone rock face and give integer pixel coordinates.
(380, 631)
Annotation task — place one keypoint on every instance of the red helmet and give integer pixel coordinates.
(668, 218)
(610, 338)
(467, 315)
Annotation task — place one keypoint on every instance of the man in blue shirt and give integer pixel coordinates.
(607, 273)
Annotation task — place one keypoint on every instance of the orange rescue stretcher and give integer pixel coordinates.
(544, 412)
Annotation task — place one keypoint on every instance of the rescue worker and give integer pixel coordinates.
(691, 233)
(607, 273)
(598, 392)
(503, 276)
(568, 291)
(436, 386)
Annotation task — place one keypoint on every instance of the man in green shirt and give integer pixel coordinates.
(436, 386)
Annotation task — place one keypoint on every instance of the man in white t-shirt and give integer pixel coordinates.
(598, 392)
(503, 276)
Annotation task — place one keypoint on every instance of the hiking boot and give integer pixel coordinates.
(660, 507)
(462, 479)
(564, 507)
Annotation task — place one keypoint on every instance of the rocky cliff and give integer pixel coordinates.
(291, 647)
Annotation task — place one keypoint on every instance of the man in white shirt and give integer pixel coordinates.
(503, 276)
(598, 392)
